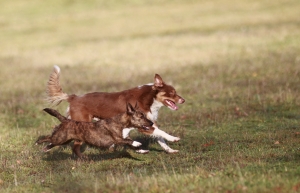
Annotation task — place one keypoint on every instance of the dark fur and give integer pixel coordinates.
(102, 133)
(106, 105)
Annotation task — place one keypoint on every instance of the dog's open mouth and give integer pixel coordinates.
(171, 104)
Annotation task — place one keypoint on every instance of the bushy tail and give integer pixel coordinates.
(56, 114)
(54, 90)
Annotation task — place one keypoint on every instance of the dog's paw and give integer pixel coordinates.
(136, 144)
(172, 151)
(46, 149)
(112, 148)
(141, 151)
(173, 139)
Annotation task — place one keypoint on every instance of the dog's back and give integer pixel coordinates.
(102, 133)
(150, 98)
(106, 105)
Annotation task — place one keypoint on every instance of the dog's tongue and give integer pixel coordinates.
(171, 105)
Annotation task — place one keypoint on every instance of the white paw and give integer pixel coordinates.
(112, 147)
(46, 150)
(136, 144)
(173, 139)
(142, 151)
(172, 151)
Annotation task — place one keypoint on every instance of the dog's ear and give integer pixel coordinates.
(129, 108)
(158, 82)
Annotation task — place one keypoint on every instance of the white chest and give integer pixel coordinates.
(154, 110)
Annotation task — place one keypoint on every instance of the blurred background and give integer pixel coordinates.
(236, 62)
(215, 53)
(116, 41)
(144, 35)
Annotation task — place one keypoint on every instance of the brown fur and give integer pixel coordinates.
(106, 105)
(102, 133)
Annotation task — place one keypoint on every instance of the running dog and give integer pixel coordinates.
(150, 98)
(102, 133)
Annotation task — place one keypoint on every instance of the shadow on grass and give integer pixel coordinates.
(59, 154)
(289, 157)
(147, 142)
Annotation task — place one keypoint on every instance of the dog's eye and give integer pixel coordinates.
(172, 93)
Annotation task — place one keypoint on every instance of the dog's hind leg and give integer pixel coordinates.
(76, 148)
(79, 117)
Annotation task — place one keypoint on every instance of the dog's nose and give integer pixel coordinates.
(151, 123)
(181, 100)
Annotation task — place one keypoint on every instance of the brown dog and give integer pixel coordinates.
(102, 133)
(150, 98)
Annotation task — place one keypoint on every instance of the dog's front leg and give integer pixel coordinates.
(163, 144)
(125, 134)
(159, 134)
(76, 148)
(126, 141)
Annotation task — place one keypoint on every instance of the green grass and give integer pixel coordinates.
(236, 63)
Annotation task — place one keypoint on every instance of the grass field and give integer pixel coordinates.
(237, 64)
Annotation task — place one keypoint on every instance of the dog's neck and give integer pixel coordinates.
(154, 108)
(145, 95)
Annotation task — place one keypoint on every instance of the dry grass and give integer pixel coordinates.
(143, 35)
(236, 63)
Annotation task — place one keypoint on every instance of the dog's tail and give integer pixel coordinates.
(54, 90)
(56, 114)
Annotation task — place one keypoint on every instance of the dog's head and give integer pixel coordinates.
(166, 93)
(137, 118)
